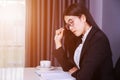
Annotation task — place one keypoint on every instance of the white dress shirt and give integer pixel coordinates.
(78, 50)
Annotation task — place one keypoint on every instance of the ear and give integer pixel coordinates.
(83, 18)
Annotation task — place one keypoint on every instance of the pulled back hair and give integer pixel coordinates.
(77, 9)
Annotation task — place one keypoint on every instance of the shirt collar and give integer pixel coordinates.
(85, 35)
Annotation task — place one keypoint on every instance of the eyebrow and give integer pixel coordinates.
(70, 21)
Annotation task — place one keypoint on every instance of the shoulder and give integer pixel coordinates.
(97, 38)
(98, 35)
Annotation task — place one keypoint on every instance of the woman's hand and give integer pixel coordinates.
(73, 70)
(58, 37)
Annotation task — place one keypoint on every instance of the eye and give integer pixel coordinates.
(70, 21)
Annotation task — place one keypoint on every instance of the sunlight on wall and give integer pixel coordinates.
(12, 32)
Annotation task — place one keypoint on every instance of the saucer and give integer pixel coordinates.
(45, 69)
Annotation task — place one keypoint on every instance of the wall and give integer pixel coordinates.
(111, 25)
(107, 15)
(96, 11)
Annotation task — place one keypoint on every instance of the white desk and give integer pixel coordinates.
(32, 74)
(18, 74)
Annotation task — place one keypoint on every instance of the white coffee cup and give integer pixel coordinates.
(45, 63)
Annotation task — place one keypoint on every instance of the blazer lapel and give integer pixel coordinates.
(88, 39)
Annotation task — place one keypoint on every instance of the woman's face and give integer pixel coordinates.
(76, 24)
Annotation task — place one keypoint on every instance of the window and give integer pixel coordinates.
(12, 33)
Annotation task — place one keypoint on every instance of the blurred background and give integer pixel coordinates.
(27, 28)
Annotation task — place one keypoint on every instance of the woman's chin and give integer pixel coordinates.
(77, 35)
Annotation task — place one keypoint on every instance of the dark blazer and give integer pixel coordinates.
(117, 69)
(95, 61)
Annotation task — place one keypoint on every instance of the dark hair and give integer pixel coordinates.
(77, 9)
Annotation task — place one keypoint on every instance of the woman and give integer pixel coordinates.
(86, 52)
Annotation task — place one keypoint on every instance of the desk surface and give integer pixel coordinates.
(31, 74)
(18, 74)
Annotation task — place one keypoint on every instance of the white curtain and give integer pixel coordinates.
(12, 33)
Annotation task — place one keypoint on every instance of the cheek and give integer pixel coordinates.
(80, 28)
(78, 23)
